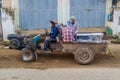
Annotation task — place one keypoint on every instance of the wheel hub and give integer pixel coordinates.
(14, 44)
(27, 55)
(84, 56)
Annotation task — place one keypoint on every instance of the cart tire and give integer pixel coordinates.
(28, 55)
(84, 55)
(14, 44)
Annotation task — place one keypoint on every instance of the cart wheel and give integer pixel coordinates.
(28, 55)
(14, 44)
(84, 55)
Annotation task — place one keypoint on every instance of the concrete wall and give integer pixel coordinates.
(16, 22)
(7, 25)
(116, 22)
(7, 3)
(63, 11)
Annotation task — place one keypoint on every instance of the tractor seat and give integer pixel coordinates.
(53, 41)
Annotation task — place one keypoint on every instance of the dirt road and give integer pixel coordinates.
(61, 74)
(11, 59)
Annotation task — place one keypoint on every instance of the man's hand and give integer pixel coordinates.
(48, 37)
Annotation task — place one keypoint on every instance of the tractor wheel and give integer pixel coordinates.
(84, 55)
(28, 55)
(14, 44)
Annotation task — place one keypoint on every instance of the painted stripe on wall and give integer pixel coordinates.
(63, 11)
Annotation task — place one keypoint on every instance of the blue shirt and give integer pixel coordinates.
(54, 32)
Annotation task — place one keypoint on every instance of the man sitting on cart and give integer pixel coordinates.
(68, 33)
(52, 35)
(74, 24)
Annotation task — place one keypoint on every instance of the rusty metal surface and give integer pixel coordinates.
(96, 47)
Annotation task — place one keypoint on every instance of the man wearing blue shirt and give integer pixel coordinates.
(52, 35)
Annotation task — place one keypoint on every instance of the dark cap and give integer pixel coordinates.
(52, 22)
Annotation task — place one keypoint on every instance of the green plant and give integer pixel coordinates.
(118, 40)
(116, 37)
(111, 52)
(5, 43)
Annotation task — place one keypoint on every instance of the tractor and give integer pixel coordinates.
(84, 48)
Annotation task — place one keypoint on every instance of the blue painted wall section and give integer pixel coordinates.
(36, 14)
(89, 13)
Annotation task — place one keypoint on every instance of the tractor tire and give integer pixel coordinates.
(28, 55)
(14, 44)
(84, 55)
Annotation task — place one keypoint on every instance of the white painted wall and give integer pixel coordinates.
(116, 25)
(7, 25)
(16, 22)
(13, 4)
(63, 11)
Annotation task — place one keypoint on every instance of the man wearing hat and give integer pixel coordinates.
(75, 25)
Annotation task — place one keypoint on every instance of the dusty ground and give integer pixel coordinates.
(61, 74)
(11, 59)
